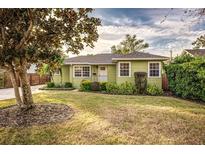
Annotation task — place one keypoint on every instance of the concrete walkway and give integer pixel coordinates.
(9, 92)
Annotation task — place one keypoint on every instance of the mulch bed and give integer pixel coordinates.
(41, 114)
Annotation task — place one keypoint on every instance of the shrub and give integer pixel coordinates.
(68, 85)
(112, 88)
(122, 89)
(95, 86)
(126, 88)
(50, 84)
(85, 85)
(103, 86)
(58, 85)
(154, 90)
(187, 77)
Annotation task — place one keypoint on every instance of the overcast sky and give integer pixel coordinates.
(177, 32)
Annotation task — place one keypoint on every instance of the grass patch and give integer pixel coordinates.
(114, 119)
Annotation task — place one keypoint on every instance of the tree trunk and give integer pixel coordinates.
(26, 88)
(13, 77)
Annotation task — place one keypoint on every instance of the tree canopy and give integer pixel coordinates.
(200, 42)
(129, 44)
(38, 36)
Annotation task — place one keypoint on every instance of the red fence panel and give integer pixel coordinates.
(165, 85)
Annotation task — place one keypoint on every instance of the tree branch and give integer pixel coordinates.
(3, 34)
(27, 33)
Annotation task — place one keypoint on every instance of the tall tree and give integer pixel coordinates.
(37, 36)
(199, 43)
(130, 44)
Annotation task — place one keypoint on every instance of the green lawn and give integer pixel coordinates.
(114, 119)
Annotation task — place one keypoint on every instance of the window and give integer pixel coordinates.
(82, 71)
(154, 69)
(124, 69)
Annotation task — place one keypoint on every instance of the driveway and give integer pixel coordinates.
(9, 92)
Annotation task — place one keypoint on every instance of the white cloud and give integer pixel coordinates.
(172, 34)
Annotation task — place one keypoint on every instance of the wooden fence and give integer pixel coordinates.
(165, 85)
(34, 79)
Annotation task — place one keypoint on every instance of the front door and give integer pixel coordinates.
(102, 74)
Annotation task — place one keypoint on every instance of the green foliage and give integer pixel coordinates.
(95, 86)
(200, 42)
(68, 85)
(130, 44)
(58, 85)
(85, 85)
(103, 86)
(182, 59)
(125, 88)
(187, 79)
(154, 90)
(112, 88)
(50, 85)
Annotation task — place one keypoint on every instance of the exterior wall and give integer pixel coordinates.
(111, 72)
(65, 75)
(138, 66)
(113, 76)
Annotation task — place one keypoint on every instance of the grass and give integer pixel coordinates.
(109, 119)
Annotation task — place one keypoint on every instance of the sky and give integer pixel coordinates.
(175, 33)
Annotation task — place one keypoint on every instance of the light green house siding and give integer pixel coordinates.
(65, 75)
(112, 74)
(137, 66)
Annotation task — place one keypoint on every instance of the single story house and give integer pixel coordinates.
(194, 52)
(115, 68)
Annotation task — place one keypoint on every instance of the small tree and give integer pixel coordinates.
(37, 36)
(130, 44)
(51, 67)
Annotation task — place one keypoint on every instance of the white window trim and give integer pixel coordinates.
(129, 68)
(81, 76)
(159, 69)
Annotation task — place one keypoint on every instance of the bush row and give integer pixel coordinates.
(125, 88)
(58, 85)
(186, 76)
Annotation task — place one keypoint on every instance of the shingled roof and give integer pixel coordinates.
(196, 52)
(108, 58)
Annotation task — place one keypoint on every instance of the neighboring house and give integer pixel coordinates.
(115, 68)
(194, 52)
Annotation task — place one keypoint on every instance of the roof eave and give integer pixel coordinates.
(140, 58)
(84, 63)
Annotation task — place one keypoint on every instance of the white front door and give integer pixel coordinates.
(102, 74)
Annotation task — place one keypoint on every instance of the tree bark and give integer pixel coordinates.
(13, 77)
(26, 88)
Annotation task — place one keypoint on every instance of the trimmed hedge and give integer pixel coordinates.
(125, 88)
(85, 85)
(50, 84)
(103, 86)
(68, 85)
(95, 86)
(59, 85)
(154, 90)
(186, 76)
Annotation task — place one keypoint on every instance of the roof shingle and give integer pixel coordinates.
(108, 58)
(196, 52)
